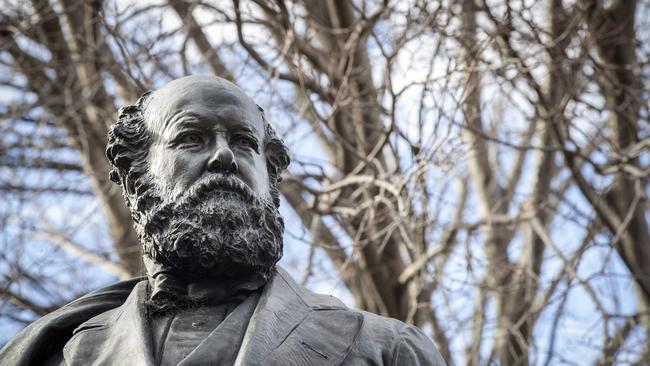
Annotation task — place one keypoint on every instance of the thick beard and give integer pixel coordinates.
(219, 228)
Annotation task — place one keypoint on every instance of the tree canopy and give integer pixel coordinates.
(478, 168)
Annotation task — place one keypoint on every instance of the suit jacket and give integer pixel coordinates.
(290, 326)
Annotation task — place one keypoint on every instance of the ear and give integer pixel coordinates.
(128, 187)
(277, 157)
(114, 176)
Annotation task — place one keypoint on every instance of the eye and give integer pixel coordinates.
(244, 141)
(189, 139)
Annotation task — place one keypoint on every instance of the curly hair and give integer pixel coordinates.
(128, 148)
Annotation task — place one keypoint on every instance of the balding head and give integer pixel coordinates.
(199, 167)
(139, 125)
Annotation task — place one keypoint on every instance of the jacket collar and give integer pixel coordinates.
(285, 318)
(122, 335)
(118, 336)
(279, 311)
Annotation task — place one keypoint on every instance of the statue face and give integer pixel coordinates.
(208, 210)
(200, 126)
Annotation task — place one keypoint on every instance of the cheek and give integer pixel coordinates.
(187, 168)
(158, 163)
(175, 170)
(262, 178)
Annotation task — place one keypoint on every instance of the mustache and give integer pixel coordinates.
(218, 182)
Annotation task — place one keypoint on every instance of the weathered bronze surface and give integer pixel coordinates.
(199, 167)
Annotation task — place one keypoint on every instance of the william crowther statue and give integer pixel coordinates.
(199, 166)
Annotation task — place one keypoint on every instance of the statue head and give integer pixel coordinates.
(199, 167)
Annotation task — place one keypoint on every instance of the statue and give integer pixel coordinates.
(199, 167)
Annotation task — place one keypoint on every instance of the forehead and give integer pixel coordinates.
(211, 100)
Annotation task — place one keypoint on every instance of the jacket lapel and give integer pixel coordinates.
(117, 337)
(278, 312)
(290, 327)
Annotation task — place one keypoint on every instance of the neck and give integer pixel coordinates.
(169, 285)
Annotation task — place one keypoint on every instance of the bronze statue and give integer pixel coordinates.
(199, 168)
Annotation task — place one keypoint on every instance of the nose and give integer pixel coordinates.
(223, 161)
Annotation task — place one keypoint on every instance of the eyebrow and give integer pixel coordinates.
(191, 119)
(245, 129)
(181, 120)
(185, 123)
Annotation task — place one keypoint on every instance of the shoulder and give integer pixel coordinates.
(45, 337)
(308, 298)
(374, 339)
(397, 342)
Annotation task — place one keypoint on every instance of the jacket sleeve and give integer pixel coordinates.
(414, 348)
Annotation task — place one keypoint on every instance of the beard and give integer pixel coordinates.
(219, 228)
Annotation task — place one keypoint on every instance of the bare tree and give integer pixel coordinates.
(474, 167)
